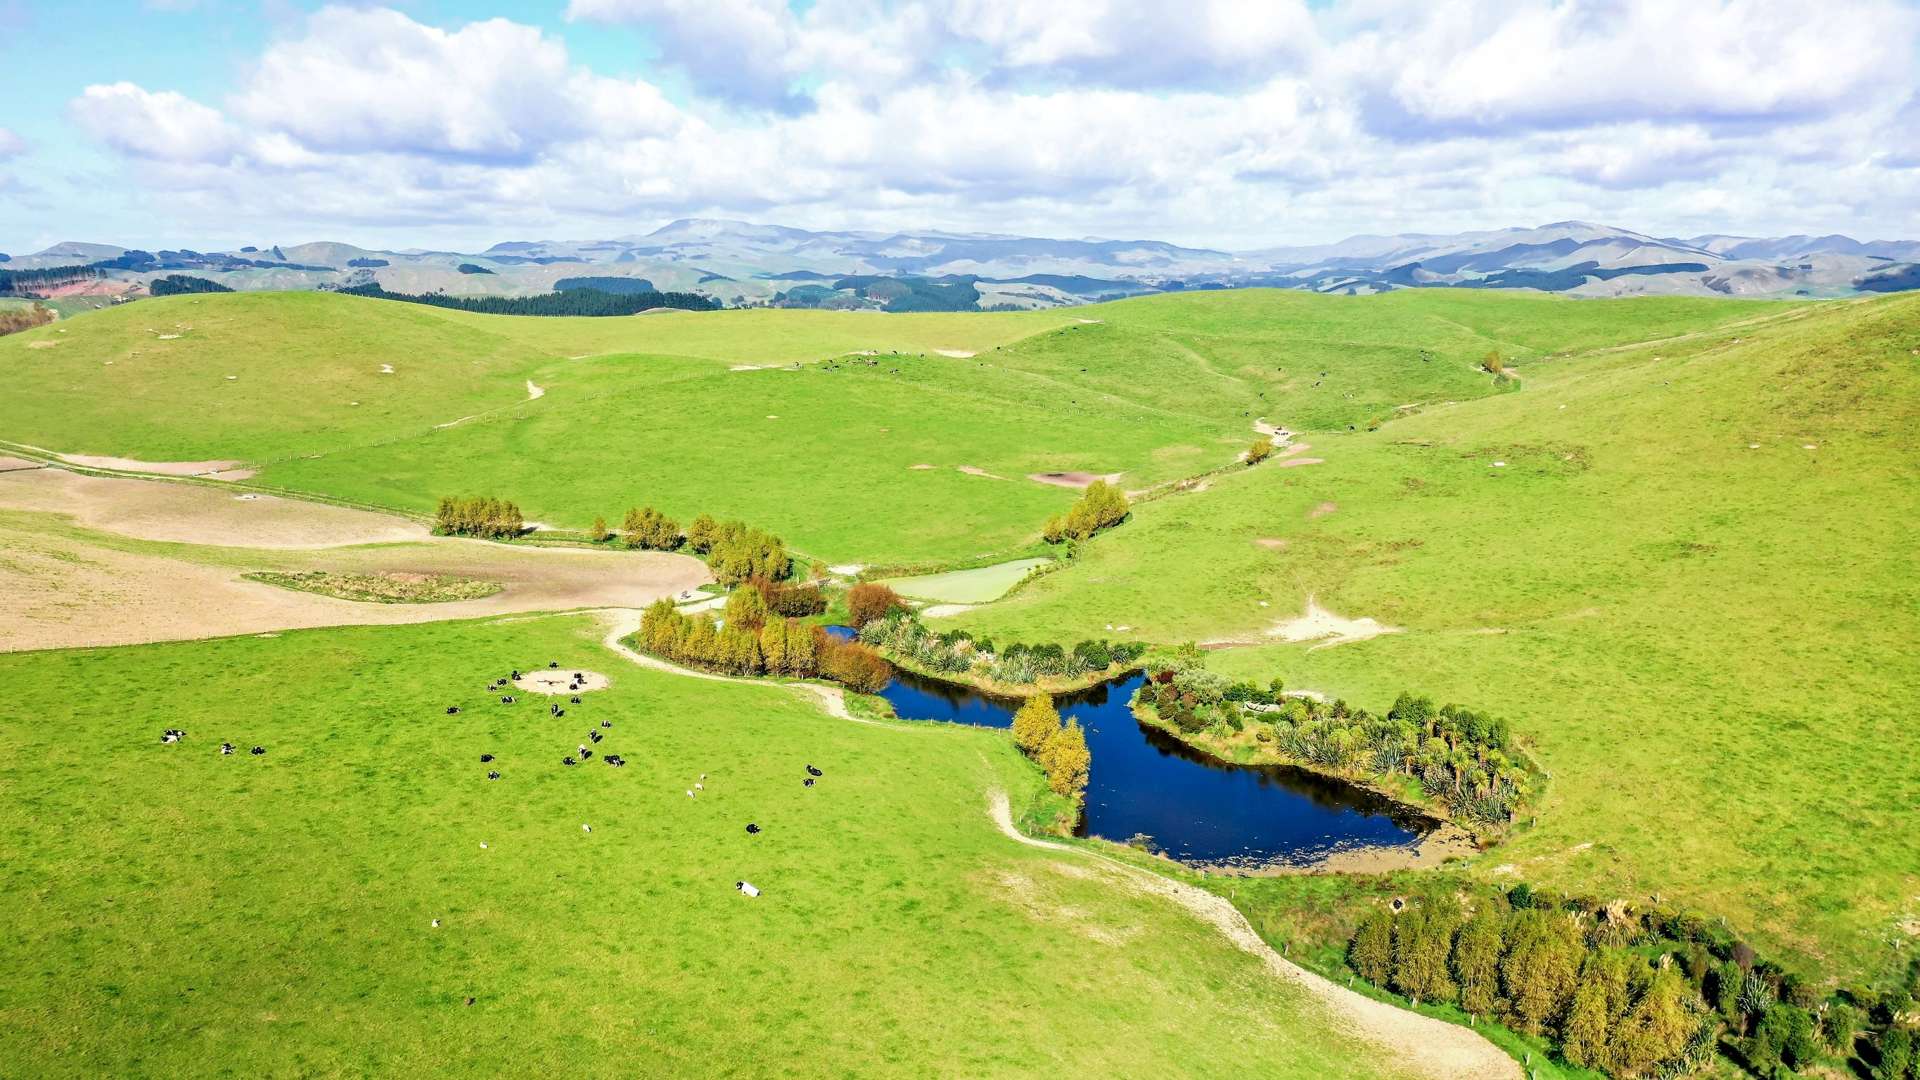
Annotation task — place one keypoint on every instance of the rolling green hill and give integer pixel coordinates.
(1680, 568)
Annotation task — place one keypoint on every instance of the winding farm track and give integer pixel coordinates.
(1427, 1046)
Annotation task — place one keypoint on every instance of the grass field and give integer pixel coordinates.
(1686, 583)
(274, 914)
(1157, 389)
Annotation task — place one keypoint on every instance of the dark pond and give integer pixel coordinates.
(1196, 808)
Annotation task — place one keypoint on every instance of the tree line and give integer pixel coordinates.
(750, 639)
(733, 550)
(954, 652)
(571, 302)
(25, 282)
(1100, 506)
(1462, 759)
(481, 516)
(1059, 748)
(1630, 993)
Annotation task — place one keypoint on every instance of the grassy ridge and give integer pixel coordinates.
(274, 914)
(1706, 626)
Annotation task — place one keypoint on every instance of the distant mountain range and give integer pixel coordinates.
(744, 264)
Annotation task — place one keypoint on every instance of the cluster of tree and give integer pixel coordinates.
(25, 282)
(733, 550)
(571, 302)
(1535, 968)
(368, 264)
(472, 268)
(15, 319)
(493, 519)
(751, 639)
(1261, 450)
(179, 284)
(1060, 749)
(954, 652)
(1462, 759)
(1100, 506)
(1629, 993)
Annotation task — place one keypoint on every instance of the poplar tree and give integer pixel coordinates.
(1035, 723)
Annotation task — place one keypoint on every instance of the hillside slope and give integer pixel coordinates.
(1679, 568)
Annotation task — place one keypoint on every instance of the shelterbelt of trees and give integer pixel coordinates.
(571, 302)
(1630, 993)
(750, 639)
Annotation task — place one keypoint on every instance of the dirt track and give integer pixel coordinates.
(1429, 1047)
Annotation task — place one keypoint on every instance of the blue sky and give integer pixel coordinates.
(1230, 123)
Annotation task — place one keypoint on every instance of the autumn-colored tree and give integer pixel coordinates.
(869, 601)
(746, 609)
(802, 653)
(1261, 449)
(600, 533)
(1371, 952)
(1067, 761)
(773, 645)
(1035, 723)
(856, 665)
(700, 534)
(648, 528)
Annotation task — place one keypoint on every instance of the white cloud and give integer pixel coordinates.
(163, 126)
(11, 144)
(363, 81)
(1228, 122)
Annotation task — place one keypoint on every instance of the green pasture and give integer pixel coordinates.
(1679, 569)
(171, 911)
(976, 586)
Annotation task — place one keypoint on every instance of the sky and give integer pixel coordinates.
(1237, 124)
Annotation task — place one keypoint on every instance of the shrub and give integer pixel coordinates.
(600, 533)
(793, 601)
(870, 601)
(850, 662)
(1261, 449)
(1067, 761)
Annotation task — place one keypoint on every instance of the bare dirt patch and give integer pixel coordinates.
(1291, 462)
(941, 611)
(42, 344)
(58, 592)
(1075, 480)
(197, 514)
(1319, 624)
(1271, 543)
(957, 354)
(14, 464)
(919, 467)
(974, 470)
(562, 681)
(535, 391)
(158, 468)
(1323, 510)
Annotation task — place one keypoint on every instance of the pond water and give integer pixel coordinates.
(1195, 808)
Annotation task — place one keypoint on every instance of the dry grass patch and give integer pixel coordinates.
(392, 587)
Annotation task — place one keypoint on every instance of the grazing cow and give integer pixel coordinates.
(606, 723)
(226, 748)
(689, 793)
(578, 677)
(559, 712)
(257, 751)
(484, 758)
(451, 709)
(808, 781)
(575, 701)
(699, 787)
(492, 774)
(811, 771)
(747, 887)
(516, 673)
(752, 829)
(553, 663)
(582, 748)
(553, 710)
(568, 760)
(584, 827)
(506, 700)
(593, 736)
(585, 754)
